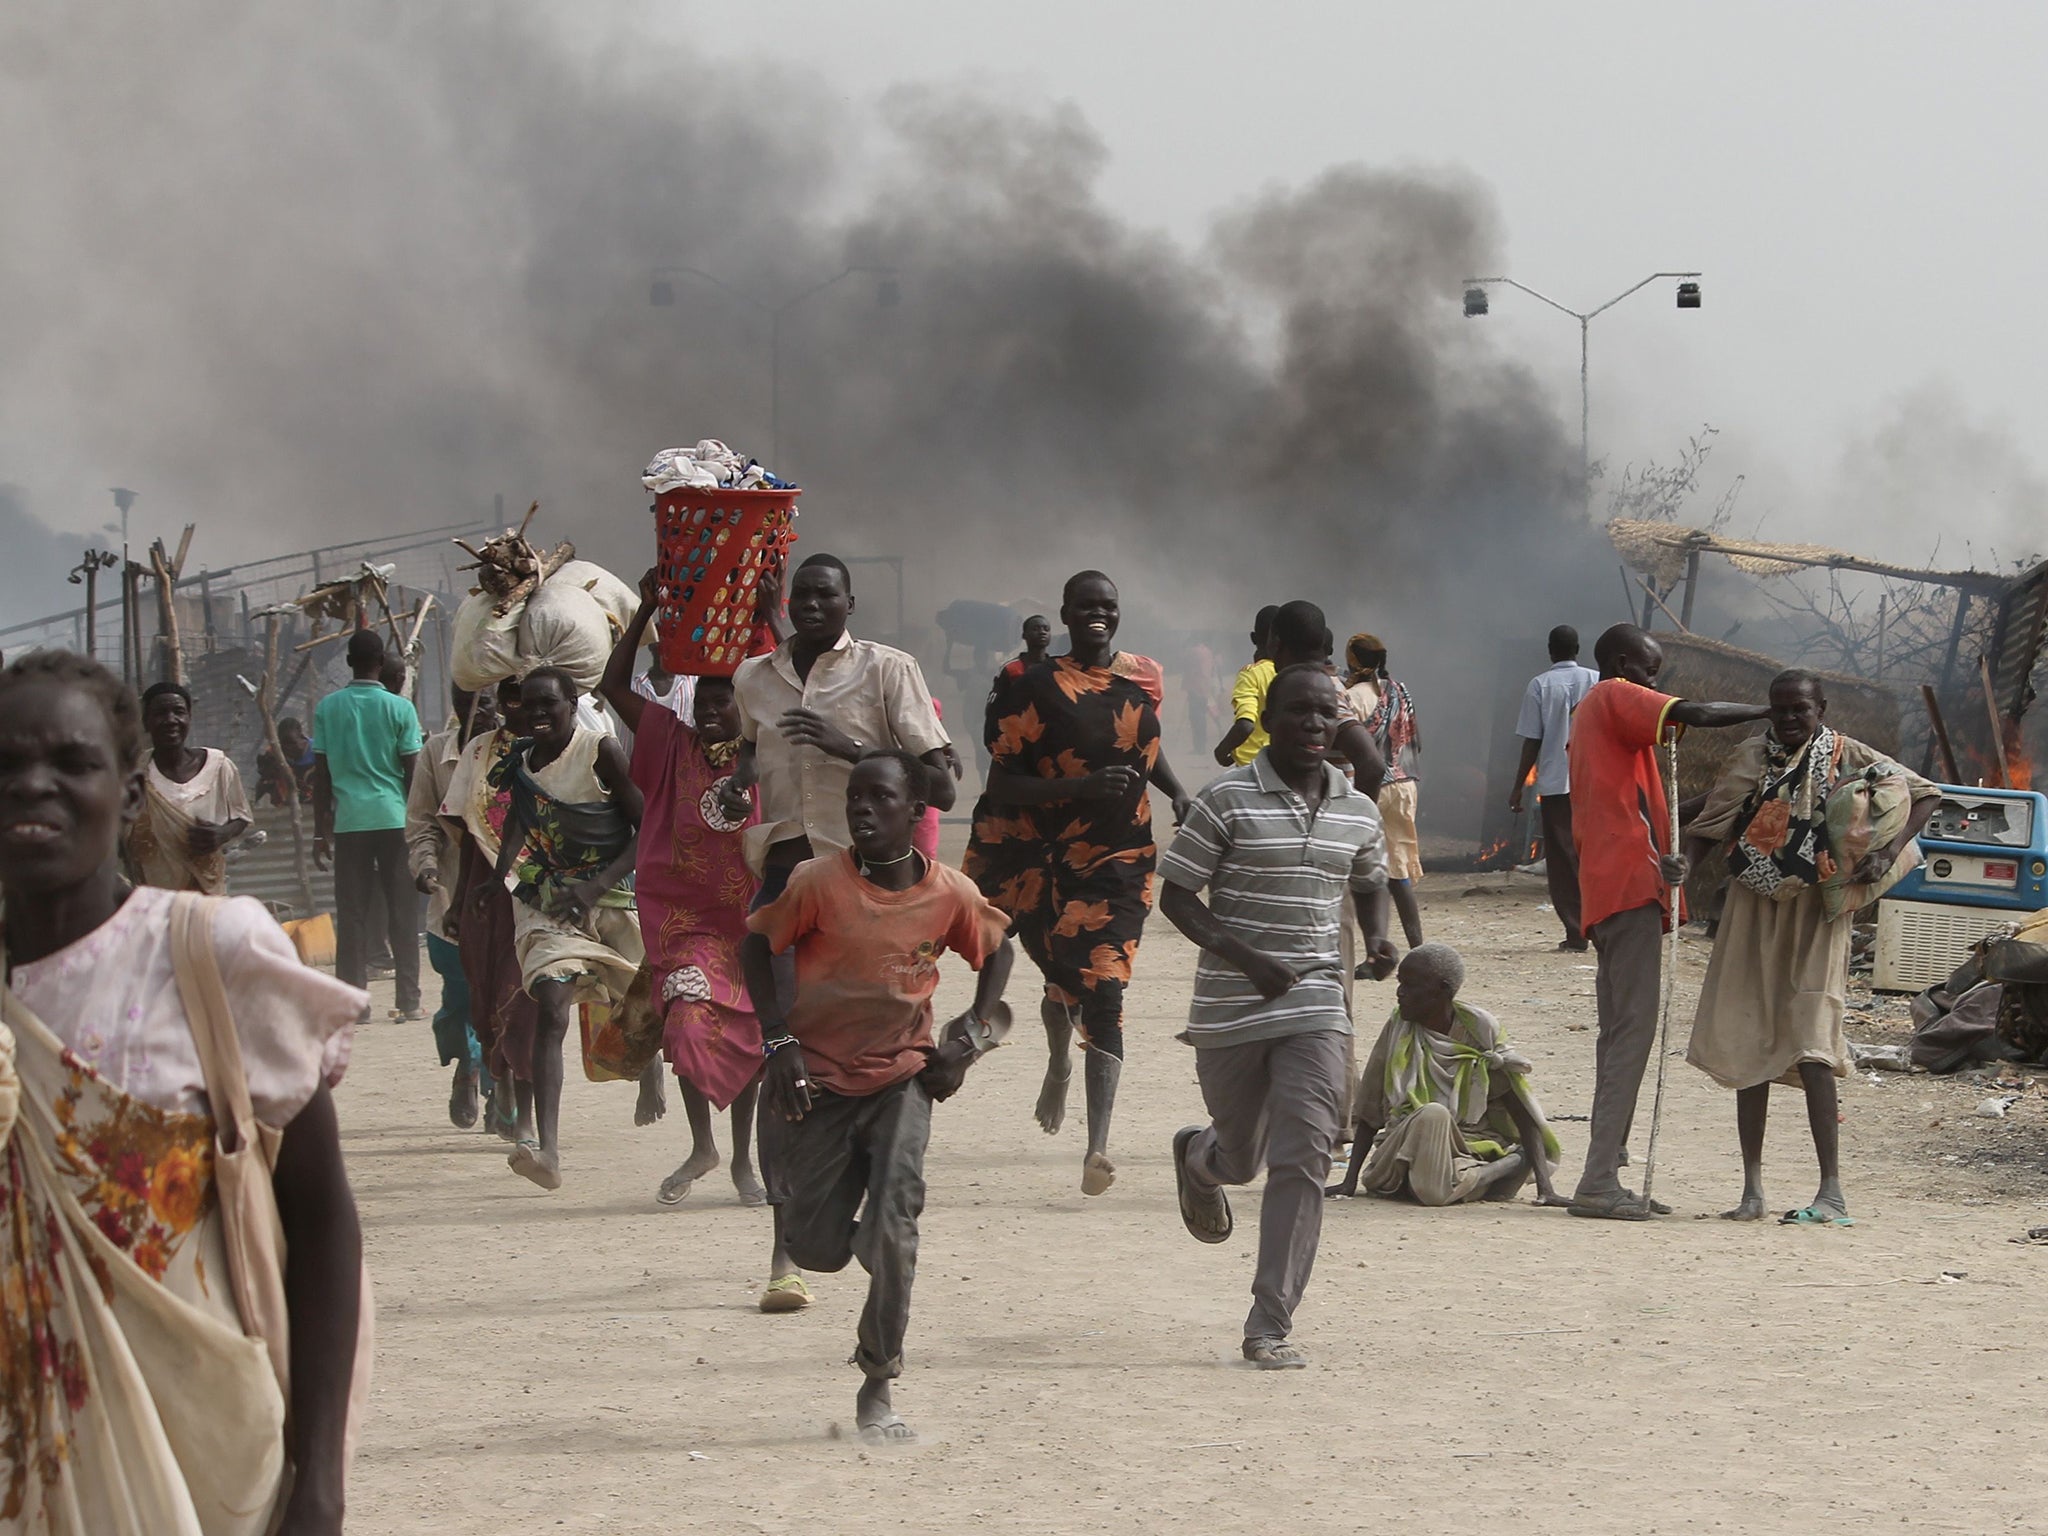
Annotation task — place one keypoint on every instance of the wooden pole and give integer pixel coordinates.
(266, 709)
(1997, 724)
(1955, 640)
(1692, 581)
(131, 624)
(166, 569)
(1650, 596)
(1939, 740)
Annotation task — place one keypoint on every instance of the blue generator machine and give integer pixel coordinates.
(1983, 848)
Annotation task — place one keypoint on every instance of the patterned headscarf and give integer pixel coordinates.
(1781, 847)
(1357, 651)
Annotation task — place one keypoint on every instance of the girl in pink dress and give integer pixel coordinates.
(694, 889)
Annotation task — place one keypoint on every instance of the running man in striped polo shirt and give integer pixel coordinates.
(1277, 843)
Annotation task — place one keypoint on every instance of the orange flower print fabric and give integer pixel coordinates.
(1074, 876)
(143, 1177)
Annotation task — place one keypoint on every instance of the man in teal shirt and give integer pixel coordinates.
(365, 741)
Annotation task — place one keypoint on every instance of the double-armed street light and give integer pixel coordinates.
(1475, 306)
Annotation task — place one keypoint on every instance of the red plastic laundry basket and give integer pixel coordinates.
(714, 545)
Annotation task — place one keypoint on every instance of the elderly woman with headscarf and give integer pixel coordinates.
(1801, 863)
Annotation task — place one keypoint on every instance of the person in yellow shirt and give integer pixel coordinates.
(1246, 738)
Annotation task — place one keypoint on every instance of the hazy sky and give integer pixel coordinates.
(273, 265)
(1860, 183)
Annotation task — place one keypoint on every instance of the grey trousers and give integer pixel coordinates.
(1276, 1104)
(367, 864)
(1561, 863)
(1631, 947)
(849, 1177)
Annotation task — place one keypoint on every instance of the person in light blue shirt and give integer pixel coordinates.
(365, 742)
(1545, 726)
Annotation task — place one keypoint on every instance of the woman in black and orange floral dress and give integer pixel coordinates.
(1063, 844)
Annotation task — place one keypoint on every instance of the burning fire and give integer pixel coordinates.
(2019, 772)
(1502, 850)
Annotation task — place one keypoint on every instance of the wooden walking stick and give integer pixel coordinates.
(1670, 972)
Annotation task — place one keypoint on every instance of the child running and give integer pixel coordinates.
(572, 830)
(853, 1068)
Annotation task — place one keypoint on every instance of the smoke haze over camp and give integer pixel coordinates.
(304, 276)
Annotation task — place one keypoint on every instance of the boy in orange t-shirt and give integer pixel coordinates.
(1621, 826)
(853, 1069)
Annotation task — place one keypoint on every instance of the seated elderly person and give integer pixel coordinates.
(1449, 1105)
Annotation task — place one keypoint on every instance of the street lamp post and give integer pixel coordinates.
(662, 293)
(1475, 306)
(88, 571)
(131, 624)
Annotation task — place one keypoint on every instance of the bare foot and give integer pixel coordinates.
(876, 1419)
(748, 1185)
(530, 1162)
(1751, 1208)
(653, 1099)
(676, 1187)
(1051, 1112)
(1502, 1178)
(1097, 1174)
(1554, 1200)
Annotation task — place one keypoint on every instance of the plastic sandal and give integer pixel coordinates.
(786, 1293)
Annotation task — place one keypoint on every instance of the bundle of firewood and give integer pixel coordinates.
(510, 569)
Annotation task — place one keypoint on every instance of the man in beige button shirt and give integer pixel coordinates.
(807, 713)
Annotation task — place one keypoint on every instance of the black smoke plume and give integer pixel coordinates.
(291, 270)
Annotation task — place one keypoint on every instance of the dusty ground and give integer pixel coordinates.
(585, 1361)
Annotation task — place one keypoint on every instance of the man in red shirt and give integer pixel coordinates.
(1628, 879)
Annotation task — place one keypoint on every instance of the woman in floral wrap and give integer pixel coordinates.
(1062, 842)
(137, 1403)
(1770, 1009)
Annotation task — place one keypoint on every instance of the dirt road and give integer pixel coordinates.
(586, 1361)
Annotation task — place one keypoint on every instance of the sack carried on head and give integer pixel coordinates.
(574, 620)
(571, 622)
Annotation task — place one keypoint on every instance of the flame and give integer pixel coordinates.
(1502, 850)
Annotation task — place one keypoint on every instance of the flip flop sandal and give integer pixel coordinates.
(877, 1433)
(673, 1191)
(786, 1293)
(1200, 1232)
(978, 1035)
(1274, 1355)
(1619, 1206)
(1812, 1216)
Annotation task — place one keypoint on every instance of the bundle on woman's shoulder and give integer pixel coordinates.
(533, 608)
